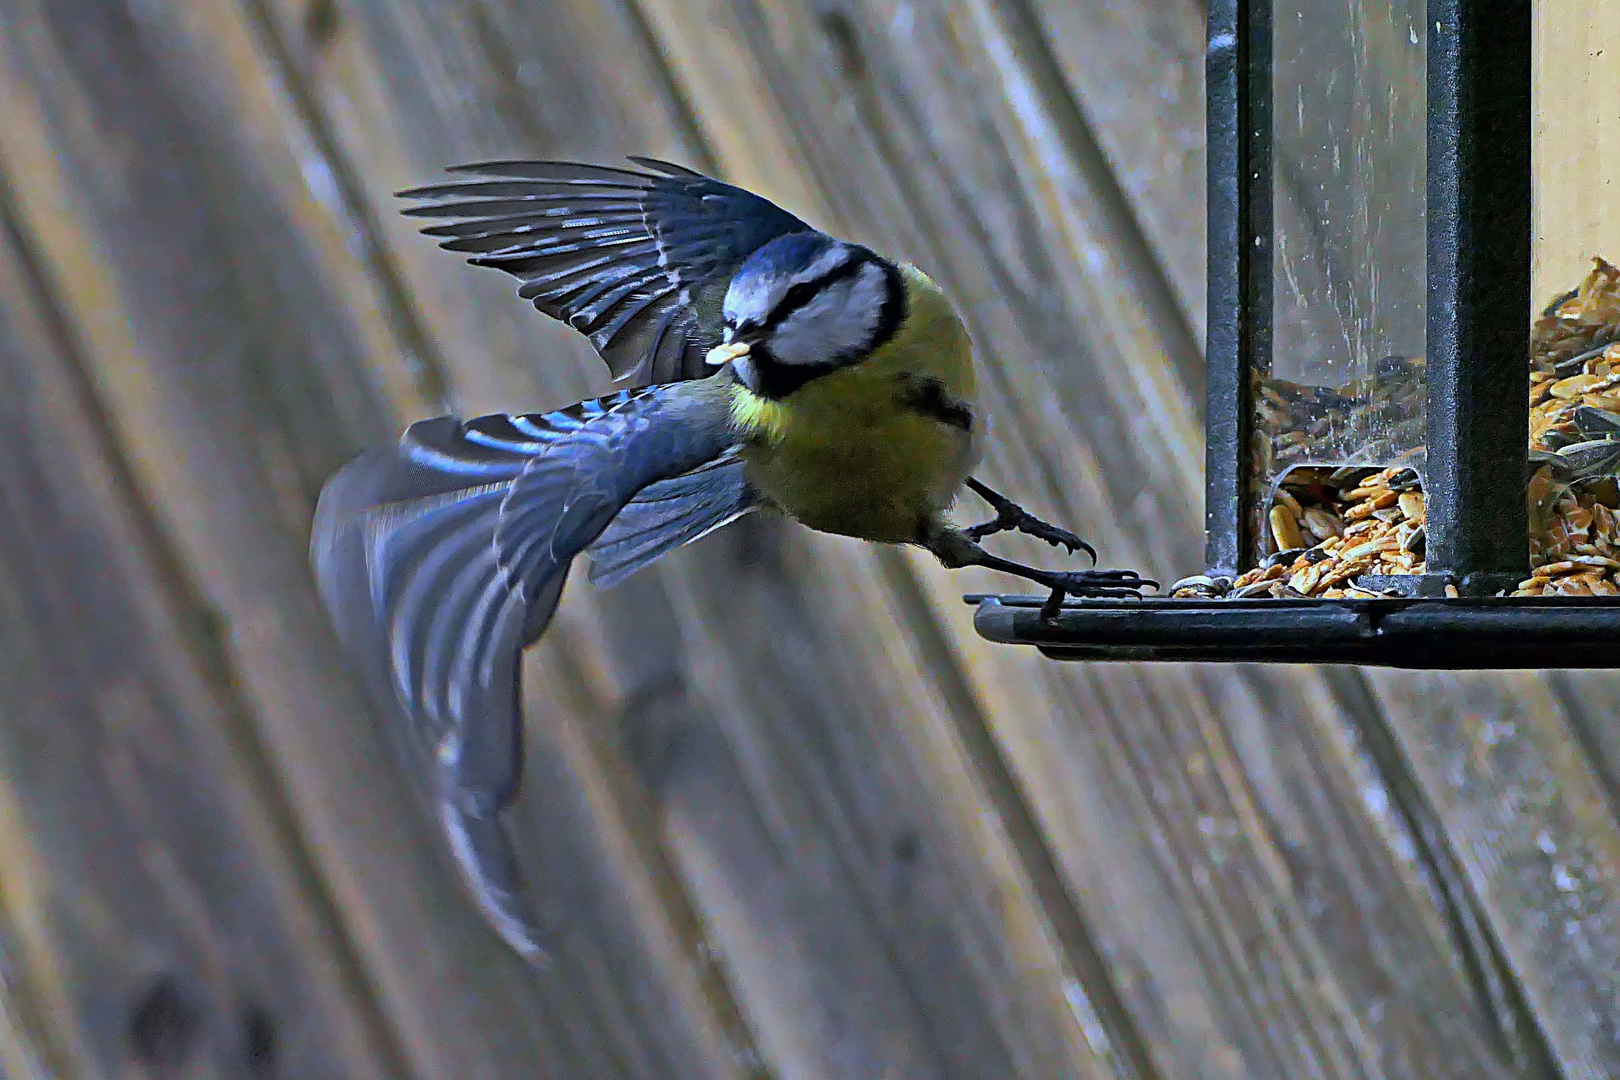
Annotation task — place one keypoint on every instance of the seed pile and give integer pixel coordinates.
(1335, 531)
(1330, 528)
(1370, 419)
(1575, 442)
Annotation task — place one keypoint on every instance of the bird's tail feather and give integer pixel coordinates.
(403, 555)
(441, 557)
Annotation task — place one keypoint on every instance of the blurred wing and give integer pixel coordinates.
(440, 558)
(636, 259)
(672, 512)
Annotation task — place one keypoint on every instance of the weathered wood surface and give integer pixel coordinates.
(787, 815)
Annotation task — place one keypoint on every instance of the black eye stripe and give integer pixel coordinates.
(805, 291)
(775, 380)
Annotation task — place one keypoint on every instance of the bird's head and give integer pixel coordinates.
(804, 305)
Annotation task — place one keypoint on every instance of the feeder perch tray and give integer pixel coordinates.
(1446, 634)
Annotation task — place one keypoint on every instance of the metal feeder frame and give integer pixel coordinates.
(1478, 368)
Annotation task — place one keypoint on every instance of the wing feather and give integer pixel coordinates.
(665, 515)
(624, 255)
(442, 557)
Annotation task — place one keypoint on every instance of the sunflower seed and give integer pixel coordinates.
(1351, 476)
(1557, 440)
(1597, 422)
(1575, 363)
(1405, 480)
(1593, 458)
(1282, 558)
(1203, 584)
(1322, 524)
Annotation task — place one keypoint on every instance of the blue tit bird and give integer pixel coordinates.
(771, 367)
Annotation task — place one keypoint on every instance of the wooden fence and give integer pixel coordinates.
(788, 817)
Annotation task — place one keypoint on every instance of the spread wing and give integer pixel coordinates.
(441, 557)
(636, 259)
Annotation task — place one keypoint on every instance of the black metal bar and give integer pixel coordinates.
(1461, 634)
(1238, 89)
(1479, 291)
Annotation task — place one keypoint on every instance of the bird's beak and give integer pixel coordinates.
(724, 354)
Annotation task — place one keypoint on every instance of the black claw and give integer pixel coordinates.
(1010, 517)
(1094, 584)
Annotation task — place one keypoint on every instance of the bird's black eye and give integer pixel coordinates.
(798, 295)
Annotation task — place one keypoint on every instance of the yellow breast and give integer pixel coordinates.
(846, 454)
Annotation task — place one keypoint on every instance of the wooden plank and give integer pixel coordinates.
(604, 971)
(157, 909)
(1136, 71)
(752, 142)
(155, 252)
(865, 800)
(663, 1015)
(690, 999)
(643, 967)
(1534, 826)
(18, 1058)
(801, 1045)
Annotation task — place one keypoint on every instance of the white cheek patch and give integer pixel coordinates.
(811, 334)
(841, 321)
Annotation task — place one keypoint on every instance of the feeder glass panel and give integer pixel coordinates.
(1345, 382)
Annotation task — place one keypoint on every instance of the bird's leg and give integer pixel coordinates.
(956, 548)
(1010, 517)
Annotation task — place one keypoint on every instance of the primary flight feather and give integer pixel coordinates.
(772, 366)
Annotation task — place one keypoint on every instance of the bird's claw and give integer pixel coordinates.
(1095, 584)
(1010, 517)
(1017, 519)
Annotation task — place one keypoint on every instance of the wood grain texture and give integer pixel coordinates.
(786, 815)
(204, 327)
(152, 881)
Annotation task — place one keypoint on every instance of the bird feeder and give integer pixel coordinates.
(1369, 352)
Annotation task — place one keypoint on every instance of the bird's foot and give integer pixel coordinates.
(957, 547)
(1090, 584)
(1010, 517)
